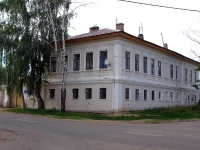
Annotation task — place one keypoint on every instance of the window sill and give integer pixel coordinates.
(127, 100)
(160, 100)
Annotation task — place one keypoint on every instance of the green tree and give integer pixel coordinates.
(25, 46)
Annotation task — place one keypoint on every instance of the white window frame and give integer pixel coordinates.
(177, 97)
(137, 94)
(129, 60)
(160, 95)
(129, 93)
(171, 96)
(153, 98)
(147, 94)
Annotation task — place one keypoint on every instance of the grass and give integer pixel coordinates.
(155, 115)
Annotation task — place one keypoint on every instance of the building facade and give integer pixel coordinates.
(112, 71)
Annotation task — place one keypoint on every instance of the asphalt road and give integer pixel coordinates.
(40, 133)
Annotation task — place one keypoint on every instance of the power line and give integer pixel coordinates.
(160, 6)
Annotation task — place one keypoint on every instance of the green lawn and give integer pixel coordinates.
(177, 113)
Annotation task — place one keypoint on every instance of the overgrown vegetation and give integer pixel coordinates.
(177, 113)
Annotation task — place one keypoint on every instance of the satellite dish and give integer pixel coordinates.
(106, 62)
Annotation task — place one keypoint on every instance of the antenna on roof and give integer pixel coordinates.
(139, 30)
(141, 27)
(162, 38)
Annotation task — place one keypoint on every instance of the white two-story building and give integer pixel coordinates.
(111, 70)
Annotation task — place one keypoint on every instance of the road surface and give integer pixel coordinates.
(26, 132)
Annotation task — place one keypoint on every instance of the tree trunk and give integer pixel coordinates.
(63, 96)
(39, 99)
(23, 101)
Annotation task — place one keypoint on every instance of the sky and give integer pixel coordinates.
(155, 20)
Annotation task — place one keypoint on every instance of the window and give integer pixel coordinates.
(127, 93)
(75, 93)
(152, 67)
(185, 74)
(171, 96)
(195, 77)
(152, 95)
(66, 64)
(136, 94)
(136, 62)
(145, 94)
(171, 71)
(89, 61)
(185, 97)
(88, 93)
(160, 95)
(177, 96)
(52, 93)
(102, 93)
(192, 98)
(190, 75)
(103, 57)
(127, 59)
(145, 64)
(53, 64)
(195, 98)
(159, 68)
(76, 62)
(176, 72)
(188, 98)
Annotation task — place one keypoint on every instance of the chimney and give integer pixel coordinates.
(140, 36)
(120, 26)
(93, 29)
(165, 45)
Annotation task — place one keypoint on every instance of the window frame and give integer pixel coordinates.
(75, 94)
(145, 95)
(127, 60)
(127, 93)
(185, 74)
(190, 75)
(153, 66)
(102, 58)
(160, 95)
(171, 95)
(88, 93)
(153, 95)
(145, 64)
(102, 94)
(159, 68)
(137, 94)
(76, 62)
(89, 61)
(137, 65)
(53, 64)
(51, 93)
(171, 71)
(176, 72)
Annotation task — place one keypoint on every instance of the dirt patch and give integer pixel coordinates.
(122, 114)
(7, 136)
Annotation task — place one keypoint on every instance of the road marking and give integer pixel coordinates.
(26, 120)
(144, 134)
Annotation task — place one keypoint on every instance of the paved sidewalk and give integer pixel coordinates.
(2, 108)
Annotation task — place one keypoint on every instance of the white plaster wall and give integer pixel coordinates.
(81, 104)
(116, 78)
